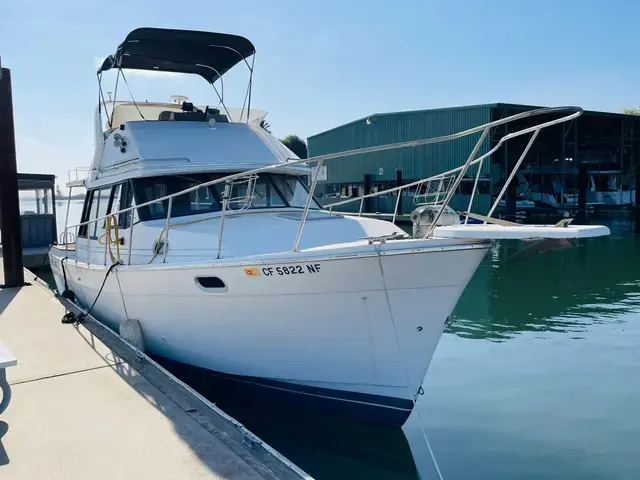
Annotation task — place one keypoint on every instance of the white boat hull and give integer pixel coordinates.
(319, 327)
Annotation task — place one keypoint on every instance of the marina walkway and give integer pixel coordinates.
(79, 411)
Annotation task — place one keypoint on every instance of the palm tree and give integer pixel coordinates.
(265, 125)
(296, 145)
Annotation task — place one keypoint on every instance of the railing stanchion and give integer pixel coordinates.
(361, 204)
(395, 210)
(130, 236)
(452, 190)
(307, 205)
(166, 232)
(513, 172)
(473, 192)
(226, 194)
(105, 241)
(66, 215)
(88, 245)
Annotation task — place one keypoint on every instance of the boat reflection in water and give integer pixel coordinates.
(516, 289)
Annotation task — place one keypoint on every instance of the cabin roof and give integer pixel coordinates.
(151, 148)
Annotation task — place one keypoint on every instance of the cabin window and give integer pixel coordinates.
(294, 192)
(97, 206)
(202, 200)
(265, 195)
(102, 197)
(115, 199)
(271, 191)
(123, 198)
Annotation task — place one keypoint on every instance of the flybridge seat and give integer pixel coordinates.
(189, 113)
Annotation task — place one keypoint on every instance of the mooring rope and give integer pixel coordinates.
(404, 367)
(111, 224)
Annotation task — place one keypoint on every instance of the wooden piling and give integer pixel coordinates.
(9, 200)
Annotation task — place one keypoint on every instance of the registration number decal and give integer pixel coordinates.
(306, 269)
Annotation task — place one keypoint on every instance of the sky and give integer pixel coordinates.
(319, 64)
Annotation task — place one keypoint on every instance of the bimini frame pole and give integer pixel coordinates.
(253, 59)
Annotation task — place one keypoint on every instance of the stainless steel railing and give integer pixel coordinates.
(569, 113)
(574, 112)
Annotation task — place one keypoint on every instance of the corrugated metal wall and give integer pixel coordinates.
(37, 230)
(415, 163)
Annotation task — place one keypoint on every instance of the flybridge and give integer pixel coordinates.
(155, 138)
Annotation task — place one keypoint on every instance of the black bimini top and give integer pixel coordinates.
(207, 54)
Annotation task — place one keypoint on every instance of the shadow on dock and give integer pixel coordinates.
(173, 399)
(6, 297)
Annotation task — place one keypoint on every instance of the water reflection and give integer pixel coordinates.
(564, 290)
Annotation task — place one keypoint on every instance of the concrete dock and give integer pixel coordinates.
(87, 405)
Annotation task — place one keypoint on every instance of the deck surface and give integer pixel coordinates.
(78, 411)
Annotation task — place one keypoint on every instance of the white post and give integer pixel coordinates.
(395, 210)
(307, 205)
(166, 232)
(513, 172)
(473, 192)
(457, 182)
(130, 237)
(226, 194)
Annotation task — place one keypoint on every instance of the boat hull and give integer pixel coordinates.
(356, 332)
(265, 393)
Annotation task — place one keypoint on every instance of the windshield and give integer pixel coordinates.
(270, 191)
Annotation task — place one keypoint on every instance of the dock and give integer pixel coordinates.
(86, 404)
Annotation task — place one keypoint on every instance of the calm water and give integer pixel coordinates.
(537, 377)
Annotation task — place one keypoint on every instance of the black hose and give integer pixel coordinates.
(64, 275)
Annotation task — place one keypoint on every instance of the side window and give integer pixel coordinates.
(101, 208)
(82, 231)
(96, 206)
(121, 198)
(114, 206)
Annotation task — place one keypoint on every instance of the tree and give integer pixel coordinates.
(264, 124)
(296, 145)
(631, 111)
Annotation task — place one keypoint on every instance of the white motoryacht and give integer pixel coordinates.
(199, 230)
